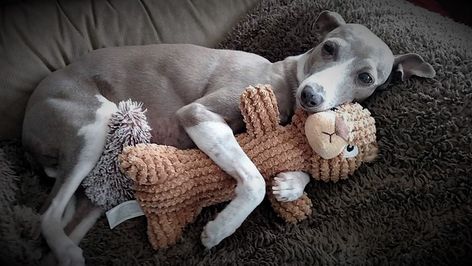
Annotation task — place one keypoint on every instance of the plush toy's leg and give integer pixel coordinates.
(166, 229)
(163, 230)
(291, 211)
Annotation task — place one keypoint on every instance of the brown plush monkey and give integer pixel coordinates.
(172, 185)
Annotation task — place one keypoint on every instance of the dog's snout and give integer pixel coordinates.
(312, 96)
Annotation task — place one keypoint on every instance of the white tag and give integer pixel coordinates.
(125, 211)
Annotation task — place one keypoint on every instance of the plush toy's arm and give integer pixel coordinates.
(292, 211)
(172, 186)
(299, 119)
(259, 109)
(149, 164)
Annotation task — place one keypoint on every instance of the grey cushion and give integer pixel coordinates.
(42, 36)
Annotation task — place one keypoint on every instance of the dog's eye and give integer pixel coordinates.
(366, 78)
(350, 151)
(329, 48)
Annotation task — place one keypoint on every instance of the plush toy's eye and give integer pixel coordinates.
(350, 151)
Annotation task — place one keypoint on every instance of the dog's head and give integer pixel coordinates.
(349, 64)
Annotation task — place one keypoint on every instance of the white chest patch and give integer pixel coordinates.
(94, 134)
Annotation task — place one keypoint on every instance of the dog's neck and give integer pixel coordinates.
(287, 76)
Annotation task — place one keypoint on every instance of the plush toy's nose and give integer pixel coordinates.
(321, 133)
(312, 96)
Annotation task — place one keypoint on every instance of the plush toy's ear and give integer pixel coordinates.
(371, 153)
(259, 109)
(326, 22)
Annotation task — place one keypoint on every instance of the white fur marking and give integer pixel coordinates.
(217, 141)
(331, 80)
(95, 133)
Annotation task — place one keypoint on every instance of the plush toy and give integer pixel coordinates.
(106, 186)
(172, 185)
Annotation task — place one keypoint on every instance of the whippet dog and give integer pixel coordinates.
(192, 95)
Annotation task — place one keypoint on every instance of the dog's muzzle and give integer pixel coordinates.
(312, 96)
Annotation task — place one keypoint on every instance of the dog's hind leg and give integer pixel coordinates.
(65, 250)
(79, 217)
(94, 135)
(85, 217)
(69, 211)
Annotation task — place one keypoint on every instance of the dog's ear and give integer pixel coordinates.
(326, 22)
(407, 65)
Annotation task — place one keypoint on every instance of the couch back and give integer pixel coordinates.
(39, 37)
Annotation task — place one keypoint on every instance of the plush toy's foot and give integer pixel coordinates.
(293, 211)
(289, 186)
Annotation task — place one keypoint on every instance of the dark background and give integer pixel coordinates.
(459, 10)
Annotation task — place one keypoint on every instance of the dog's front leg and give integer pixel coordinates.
(213, 136)
(289, 186)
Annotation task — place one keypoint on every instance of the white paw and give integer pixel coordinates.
(287, 187)
(71, 256)
(214, 233)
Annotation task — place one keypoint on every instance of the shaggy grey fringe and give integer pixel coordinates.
(106, 186)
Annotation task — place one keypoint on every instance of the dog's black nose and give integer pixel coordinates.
(312, 97)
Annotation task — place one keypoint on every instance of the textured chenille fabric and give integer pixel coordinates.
(412, 206)
(173, 186)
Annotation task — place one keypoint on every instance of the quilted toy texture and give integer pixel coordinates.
(172, 185)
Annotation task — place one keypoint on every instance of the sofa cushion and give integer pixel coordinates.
(39, 37)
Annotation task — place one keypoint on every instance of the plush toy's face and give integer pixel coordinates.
(342, 139)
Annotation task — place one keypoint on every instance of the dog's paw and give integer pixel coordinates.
(213, 233)
(71, 256)
(287, 187)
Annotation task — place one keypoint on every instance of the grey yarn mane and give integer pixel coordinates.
(105, 185)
